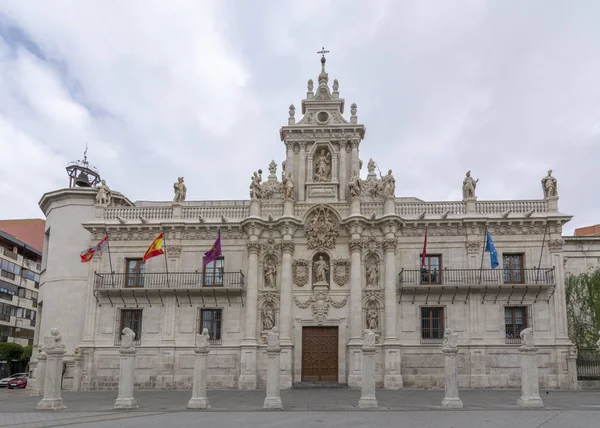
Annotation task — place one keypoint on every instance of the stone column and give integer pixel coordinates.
(199, 399)
(273, 400)
(285, 311)
(343, 171)
(55, 351)
(367, 393)
(247, 379)
(572, 368)
(391, 345)
(40, 373)
(530, 388)
(301, 170)
(355, 161)
(355, 343)
(334, 168)
(450, 350)
(127, 353)
(77, 368)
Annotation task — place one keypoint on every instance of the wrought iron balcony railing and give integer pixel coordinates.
(478, 277)
(172, 280)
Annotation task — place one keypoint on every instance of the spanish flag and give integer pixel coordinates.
(88, 254)
(155, 249)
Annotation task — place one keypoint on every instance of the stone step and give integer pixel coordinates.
(320, 385)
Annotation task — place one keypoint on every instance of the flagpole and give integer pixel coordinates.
(537, 276)
(112, 272)
(165, 253)
(483, 253)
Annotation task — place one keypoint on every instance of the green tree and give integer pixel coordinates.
(583, 308)
(10, 351)
(26, 356)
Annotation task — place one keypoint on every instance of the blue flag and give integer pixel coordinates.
(489, 248)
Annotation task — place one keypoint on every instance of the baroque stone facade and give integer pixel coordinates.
(321, 257)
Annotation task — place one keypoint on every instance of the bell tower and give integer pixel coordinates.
(322, 147)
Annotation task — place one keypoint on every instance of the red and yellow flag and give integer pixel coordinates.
(155, 249)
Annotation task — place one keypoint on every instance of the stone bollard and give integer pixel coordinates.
(450, 350)
(55, 350)
(530, 388)
(367, 391)
(199, 399)
(127, 354)
(572, 368)
(40, 373)
(273, 400)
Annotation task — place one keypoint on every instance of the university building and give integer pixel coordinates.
(316, 251)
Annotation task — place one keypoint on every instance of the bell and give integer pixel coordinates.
(82, 180)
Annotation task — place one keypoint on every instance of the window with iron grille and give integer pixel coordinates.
(431, 272)
(516, 319)
(513, 268)
(131, 318)
(213, 273)
(134, 273)
(432, 324)
(211, 319)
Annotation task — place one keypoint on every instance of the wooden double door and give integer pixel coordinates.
(320, 354)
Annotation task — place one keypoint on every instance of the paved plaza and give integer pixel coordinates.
(305, 408)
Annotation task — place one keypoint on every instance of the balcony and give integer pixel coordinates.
(127, 284)
(492, 282)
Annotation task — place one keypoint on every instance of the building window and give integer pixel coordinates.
(213, 273)
(515, 321)
(432, 271)
(34, 299)
(211, 319)
(513, 268)
(8, 252)
(130, 318)
(432, 324)
(134, 274)
(9, 270)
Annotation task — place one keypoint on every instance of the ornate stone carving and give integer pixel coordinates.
(104, 196)
(180, 190)
(273, 340)
(203, 340)
(320, 305)
(321, 270)
(253, 247)
(389, 244)
(355, 184)
(473, 246)
(53, 340)
(371, 244)
(373, 317)
(273, 166)
(321, 230)
(174, 250)
(355, 244)
(468, 187)
(372, 186)
(288, 247)
(288, 185)
(292, 111)
(450, 341)
(310, 85)
(353, 109)
(336, 85)
(527, 337)
(268, 316)
(372, 272)
(341, 272)
(255, 185)
(127, 338)
(368, 339)
(556, 245)
(323, 166)
(389, 185)
(549, 185)
(270, 273)
(300, 272)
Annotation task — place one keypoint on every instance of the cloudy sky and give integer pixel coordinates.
(200, 88)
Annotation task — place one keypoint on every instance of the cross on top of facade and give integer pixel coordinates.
(322, 52)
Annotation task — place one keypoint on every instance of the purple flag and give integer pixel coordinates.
(215, 252)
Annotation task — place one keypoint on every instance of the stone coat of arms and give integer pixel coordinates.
(321, 230)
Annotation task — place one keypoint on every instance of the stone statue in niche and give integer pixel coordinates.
(372, 273)
(323, 166)
(255, 186)
(180, 190)
(288, 185)
(389, 184)
(355, 185)
(321, 271)
(549, 184)
(104, 196)
(372, 318)
(268, 317)
(469, 186)
(270, 271)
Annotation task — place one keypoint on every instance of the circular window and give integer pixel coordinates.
(323, 116)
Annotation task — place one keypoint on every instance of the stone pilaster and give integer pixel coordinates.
(199, 399)
(355, 161)
(343, 171)
(40, 374)
(273, 398)
(77, 370)
(285, 312)
(356, 341)
(55, 351)
(572, 368)
(391, 345)
(301, 171)
(247, 378)
(368, 400)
